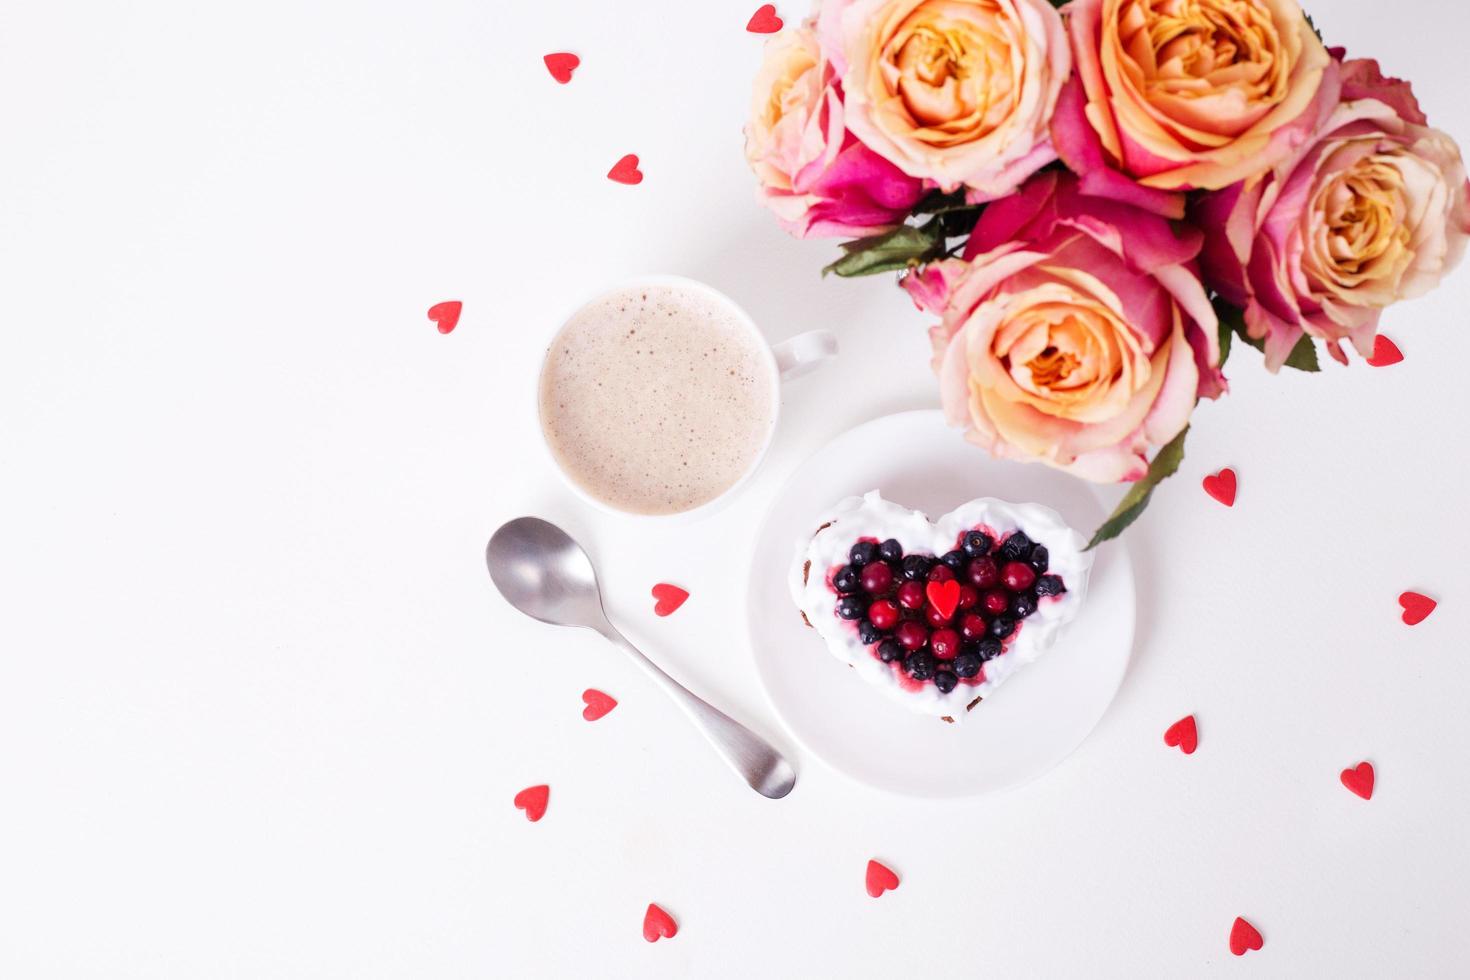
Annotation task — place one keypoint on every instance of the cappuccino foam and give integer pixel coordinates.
(657, 399)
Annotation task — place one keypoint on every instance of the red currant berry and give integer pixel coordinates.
(911, 595)
(945, 644)
(941, 573)
(969, 598)
(911, 634)
(1018, 576)
(974, 627)
(935, 618)
(983, 573)
(883, 614)
(877, 578)
(995, 602)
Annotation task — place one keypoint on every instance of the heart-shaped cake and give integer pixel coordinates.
(939, 614)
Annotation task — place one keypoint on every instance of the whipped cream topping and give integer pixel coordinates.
(870, 516)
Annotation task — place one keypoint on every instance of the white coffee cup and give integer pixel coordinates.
(784, 361)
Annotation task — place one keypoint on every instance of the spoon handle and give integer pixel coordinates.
(752, 758)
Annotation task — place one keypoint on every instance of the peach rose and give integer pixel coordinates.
(1077, 333)
(960, 92)
(1373, 211)
(815, 177)
(1192, 94)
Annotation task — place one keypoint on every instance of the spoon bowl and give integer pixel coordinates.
(545, 574)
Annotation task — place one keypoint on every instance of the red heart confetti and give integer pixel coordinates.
(561, 64)
(1221, 486)
(880, 879)
(670, 598)
(1417, 607)
(1359, 779)
(626, 171)
(1385, 352)
(598, 704)
(446, 314)
(658, 924)
(765, 21)
(1244, 936)
(1184, 734)
(533, 799)
(945, 596)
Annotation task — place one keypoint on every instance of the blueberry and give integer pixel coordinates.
(862, 553)
(1023, 605)
(868, 633)
(851, 607)
(1050, 585)
(889, 651)
(920, 666)
(847, 580)
(1039, 559)
(967, 664)
(989, 648)
(1002, 627)
(978, 544)
(956, 560)
(916, 567)
(1016, 547)
(890, 550)
(945, 681)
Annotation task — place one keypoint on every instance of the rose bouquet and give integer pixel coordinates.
(1094, 198)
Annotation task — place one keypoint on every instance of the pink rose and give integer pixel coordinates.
(1076, 333)
(813, 174)
(959, 92)
(1188, 94)
(1373, 211)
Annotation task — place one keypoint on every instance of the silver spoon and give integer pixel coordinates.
(546, 575)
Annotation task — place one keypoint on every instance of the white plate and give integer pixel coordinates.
(1027, 727)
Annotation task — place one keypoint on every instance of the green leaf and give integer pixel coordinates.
(1303, 356)
(1165, 464)
(1232, 324)
(898, 249)
(938, 202)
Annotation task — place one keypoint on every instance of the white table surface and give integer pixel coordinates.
(262, 714)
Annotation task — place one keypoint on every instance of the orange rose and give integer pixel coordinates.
(960, 92)
(1196, 94)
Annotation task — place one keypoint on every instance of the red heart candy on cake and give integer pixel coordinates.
(533, 799)
(1221, 486)
(658, 924)
(1183, 734)
(944, 596)
(670, 598)
(561, 64)
(1385, 352)
(880, 879)
(1359, 779)
(765, 21)
(1243, 936)
(446, 314)
(626, 171)
(1417, 607)
(598, 704)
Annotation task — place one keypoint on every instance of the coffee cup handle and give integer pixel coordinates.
(804, 353)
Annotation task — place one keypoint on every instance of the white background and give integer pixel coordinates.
(262, 714)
